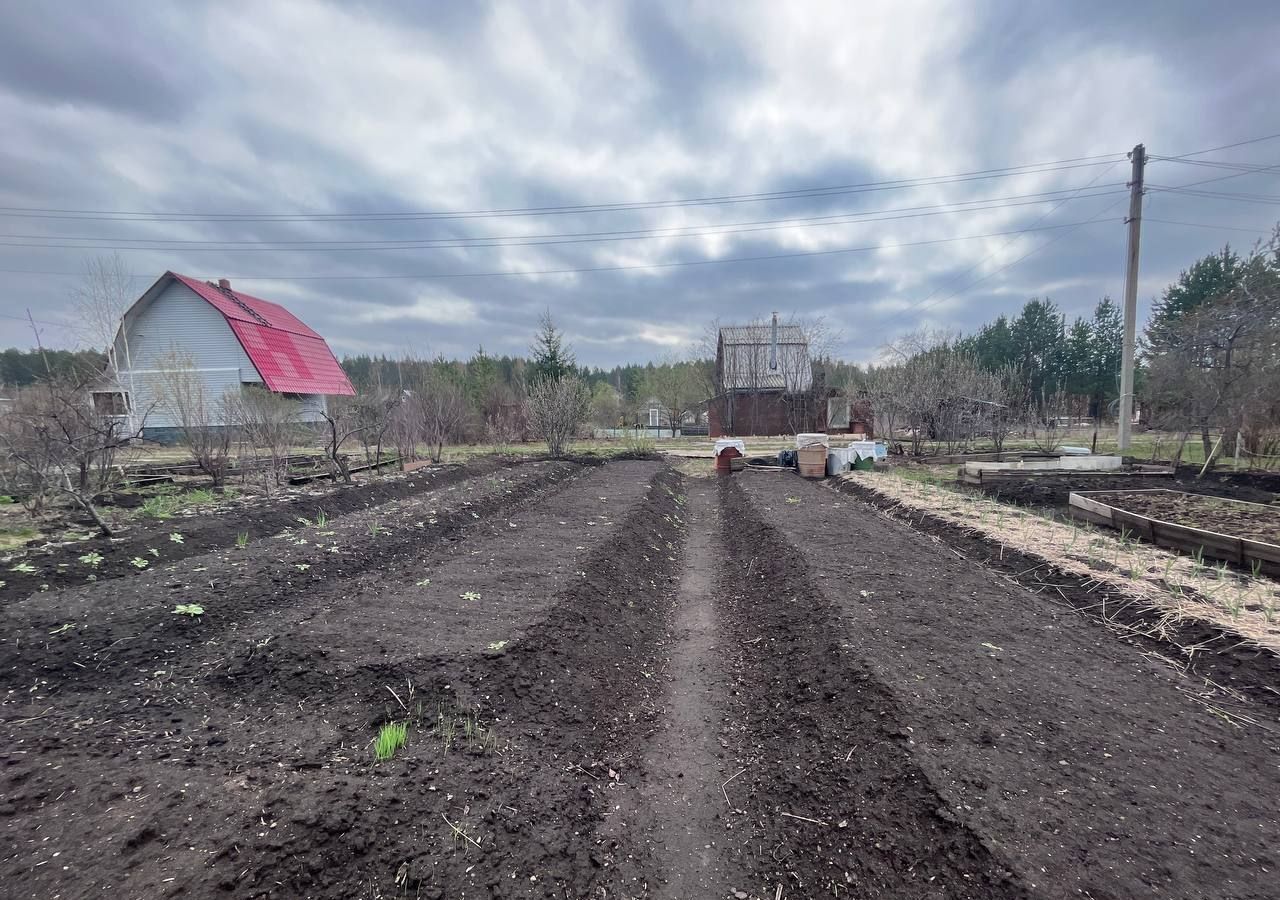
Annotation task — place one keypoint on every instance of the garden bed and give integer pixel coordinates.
(1233, 530)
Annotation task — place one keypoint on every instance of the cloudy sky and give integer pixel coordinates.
(429, 177)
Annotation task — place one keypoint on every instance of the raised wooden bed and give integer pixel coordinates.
(985, 477)
(948, 459)
(1108, 508)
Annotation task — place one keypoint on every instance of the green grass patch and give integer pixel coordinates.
(391, 737)
(164, 504)
(17, 536)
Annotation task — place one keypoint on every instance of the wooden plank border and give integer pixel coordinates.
(1092, 506)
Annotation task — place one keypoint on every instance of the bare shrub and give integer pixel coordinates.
(56, 443)
(375, 414)
(341, 424)
(556, 408)
(268, 425)
(444, 410)
(203, 417)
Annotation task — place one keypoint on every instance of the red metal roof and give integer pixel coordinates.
(290, 356)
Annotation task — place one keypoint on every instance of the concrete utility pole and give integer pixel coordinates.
(1139, 157)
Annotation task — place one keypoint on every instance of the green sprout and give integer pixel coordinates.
(470, 595)
(176, 537)
(25, 568)
(423, 582)
(92, 558)
(496, 646)
(62, 629)
(154, 552)
(188, 609)
(242, 540)
(302, 567)
(321, 519)
(391, 737)
(139, 563)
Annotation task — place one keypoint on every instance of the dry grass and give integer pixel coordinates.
(1176, 586)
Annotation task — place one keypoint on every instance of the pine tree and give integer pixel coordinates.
(1208, 279)
(551, 358)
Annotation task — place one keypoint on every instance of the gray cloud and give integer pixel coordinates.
(404, 108)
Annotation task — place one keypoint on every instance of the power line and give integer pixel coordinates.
(757, 197)
(1179, 187)
(966, 206)
(40, 321)
(1216, 164)
(423, 276)
(640, 231)
(925, 304)
(768, 196)
(1256, 231)
(1257, 140)
(1218, 195)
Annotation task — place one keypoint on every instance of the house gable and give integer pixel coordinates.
(175, 318)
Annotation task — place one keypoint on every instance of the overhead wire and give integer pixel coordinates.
(926, 304)
(691, 231)
(624, 206)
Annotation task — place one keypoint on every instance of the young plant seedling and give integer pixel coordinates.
(391, 737)
(62, 629)
(93, 558)
(470, 595)
(496, 646)
(25, 568)
(176, 537)
(139, 563)
(188, 609)
(423, 582)
(242, 540)
(302, 567)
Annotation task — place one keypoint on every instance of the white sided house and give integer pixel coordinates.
(226, 339)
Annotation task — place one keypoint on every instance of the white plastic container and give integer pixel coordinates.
(811, 439)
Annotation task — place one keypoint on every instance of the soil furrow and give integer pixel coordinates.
(1091, 765)
(265, 786)
(832, 795)
(243, 591)
(211, 530)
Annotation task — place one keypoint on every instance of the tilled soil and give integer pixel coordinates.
(618, 683)
(201, 531)
(1055, 491)
(1084, 764)
(1256, 523)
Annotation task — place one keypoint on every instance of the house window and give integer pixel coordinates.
(111, 403)
(837, 413)
(653, 417)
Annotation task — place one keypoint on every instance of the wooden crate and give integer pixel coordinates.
(813, 461)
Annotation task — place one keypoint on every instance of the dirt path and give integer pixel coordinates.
(675, 807)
